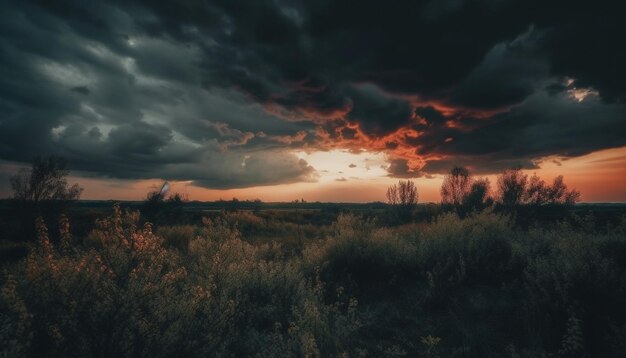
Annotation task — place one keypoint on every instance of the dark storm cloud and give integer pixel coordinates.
(81, 89)
(376, 113)
(86, 82)
(583, 41)
(224, 171)
(301, 56)
(399, 168)
(144, 89)
(138, 138)
(506, 76)
(544, 125)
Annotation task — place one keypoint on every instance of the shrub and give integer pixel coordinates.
(456, 287)
(362, 258)
(477, 249)
(572, 285)
(178, 236)
(124, 293)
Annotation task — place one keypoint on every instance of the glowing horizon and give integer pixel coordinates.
(598, 176)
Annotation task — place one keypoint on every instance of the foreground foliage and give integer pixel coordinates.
(456, 287)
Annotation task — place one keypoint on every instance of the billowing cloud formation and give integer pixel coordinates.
(219, 92)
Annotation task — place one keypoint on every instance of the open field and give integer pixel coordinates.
(313, 281)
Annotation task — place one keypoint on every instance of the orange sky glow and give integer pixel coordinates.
(348, 177)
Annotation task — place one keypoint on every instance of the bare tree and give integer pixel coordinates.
(44, 181)
(403, 197)
(456, 186)
(41, 191)
(512, 187)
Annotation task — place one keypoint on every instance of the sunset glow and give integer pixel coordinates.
(295, 105)
(349, 177)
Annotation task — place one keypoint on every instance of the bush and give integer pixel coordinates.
(125, 294)
(362, 258)
(573, 285)
(476, 250)
(456, 287)
(178, 236)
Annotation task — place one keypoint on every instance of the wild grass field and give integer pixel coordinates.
(519, 272)
(245, 284)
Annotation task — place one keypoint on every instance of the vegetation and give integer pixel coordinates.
(456, 187)
(477, 286)
(159, 209)
(45, 181)
(41, 190)
(403, 198)
(121, 291)
(470, 280)
(514, 194)
(514, 189)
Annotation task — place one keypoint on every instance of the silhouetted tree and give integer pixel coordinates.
(456, 185)
(539, 193)
(516, 189)
(461, 192)
(477, 199)
(403, 198)
(41, 190)
(44, 181)
(558, 194)
(157, 209)
(511, 188)
(536, 191)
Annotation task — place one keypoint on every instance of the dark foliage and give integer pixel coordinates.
(402, 198)
(41, 190)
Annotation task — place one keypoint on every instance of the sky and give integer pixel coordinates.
(315, 99)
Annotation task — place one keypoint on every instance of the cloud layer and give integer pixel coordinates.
(222, 92)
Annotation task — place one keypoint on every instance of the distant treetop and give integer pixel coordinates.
(44, 181)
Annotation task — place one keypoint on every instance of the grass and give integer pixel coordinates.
(246, 284)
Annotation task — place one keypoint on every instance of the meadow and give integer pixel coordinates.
(280, 283)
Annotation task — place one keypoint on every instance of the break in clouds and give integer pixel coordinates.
(223, 92)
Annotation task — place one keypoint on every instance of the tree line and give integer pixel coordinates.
(464, 193)
(44, 188)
